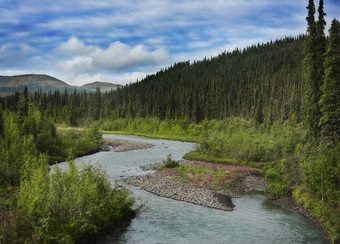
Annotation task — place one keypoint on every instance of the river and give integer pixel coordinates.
(255, 219)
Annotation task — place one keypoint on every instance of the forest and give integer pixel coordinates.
(274, 106)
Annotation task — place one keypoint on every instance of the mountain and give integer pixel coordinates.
(35, 82)
(104, 86)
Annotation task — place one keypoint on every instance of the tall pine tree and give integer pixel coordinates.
(314, 50)
(330, 99)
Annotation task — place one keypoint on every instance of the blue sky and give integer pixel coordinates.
(82, 41)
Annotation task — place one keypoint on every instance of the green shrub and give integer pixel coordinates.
(276, 183)
(169, 163)
(71, 205)
(321, 170)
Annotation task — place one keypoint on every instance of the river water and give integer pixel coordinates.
(254, 220)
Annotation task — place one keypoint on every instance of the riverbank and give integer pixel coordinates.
(168, 186)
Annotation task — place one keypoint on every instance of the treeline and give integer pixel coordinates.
(264, 82)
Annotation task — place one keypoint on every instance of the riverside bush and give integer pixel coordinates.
(246, 141)
(276, 183)
(71, 205)
(169, 163)
(75, 143)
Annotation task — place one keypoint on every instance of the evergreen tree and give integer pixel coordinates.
(314, 50)
(1, 122)
(23, 105)
(330, 99)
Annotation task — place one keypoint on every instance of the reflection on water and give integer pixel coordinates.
(254, 220)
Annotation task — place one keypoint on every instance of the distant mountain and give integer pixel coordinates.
(10, 84)
(104, 86)
(35, 82)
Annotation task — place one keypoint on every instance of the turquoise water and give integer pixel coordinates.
(254, 220)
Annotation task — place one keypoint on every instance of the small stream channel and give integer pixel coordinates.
(255, 219)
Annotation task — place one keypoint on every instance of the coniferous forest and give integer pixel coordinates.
(274, 106)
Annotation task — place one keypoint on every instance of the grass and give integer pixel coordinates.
(208, 175)
(175, 137)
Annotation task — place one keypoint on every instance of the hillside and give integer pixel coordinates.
(264, 81)
(34, 82)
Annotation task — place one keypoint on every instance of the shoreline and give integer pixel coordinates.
(290, 204)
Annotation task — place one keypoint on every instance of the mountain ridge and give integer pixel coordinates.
(45, 83)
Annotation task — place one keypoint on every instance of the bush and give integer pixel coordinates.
(276, 183)
(169, 163)
(321, 170)
(71, 205)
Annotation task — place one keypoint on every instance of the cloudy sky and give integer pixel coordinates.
(81, 41)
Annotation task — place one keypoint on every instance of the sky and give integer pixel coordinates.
(82, 41)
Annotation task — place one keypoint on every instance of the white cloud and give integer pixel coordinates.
(114, 40)
(118, 56)
(77, 64)
(13, 53)
(75, 46)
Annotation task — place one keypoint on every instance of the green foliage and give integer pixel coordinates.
(73, 142)
(71, 205)
(154, 127)
(169, 163)
(245, 141)
(314, 57)
(14, 149)
(276, 182)
(329, 102)
(321, 171)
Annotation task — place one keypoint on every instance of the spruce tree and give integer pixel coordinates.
(321, 42)
(23, 105)
(314, 50)
(330, 99)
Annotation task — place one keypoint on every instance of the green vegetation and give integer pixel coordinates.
(182, 130)
(169, 163)
(61, 206)
(72, 142)
(330, 98)
(209, 175)
(39, 206)
(73, 205)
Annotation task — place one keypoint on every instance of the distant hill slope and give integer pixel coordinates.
(264, 82)
(104, 86)
(35, 82)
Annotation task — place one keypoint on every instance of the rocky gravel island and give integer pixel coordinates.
(172, 186)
